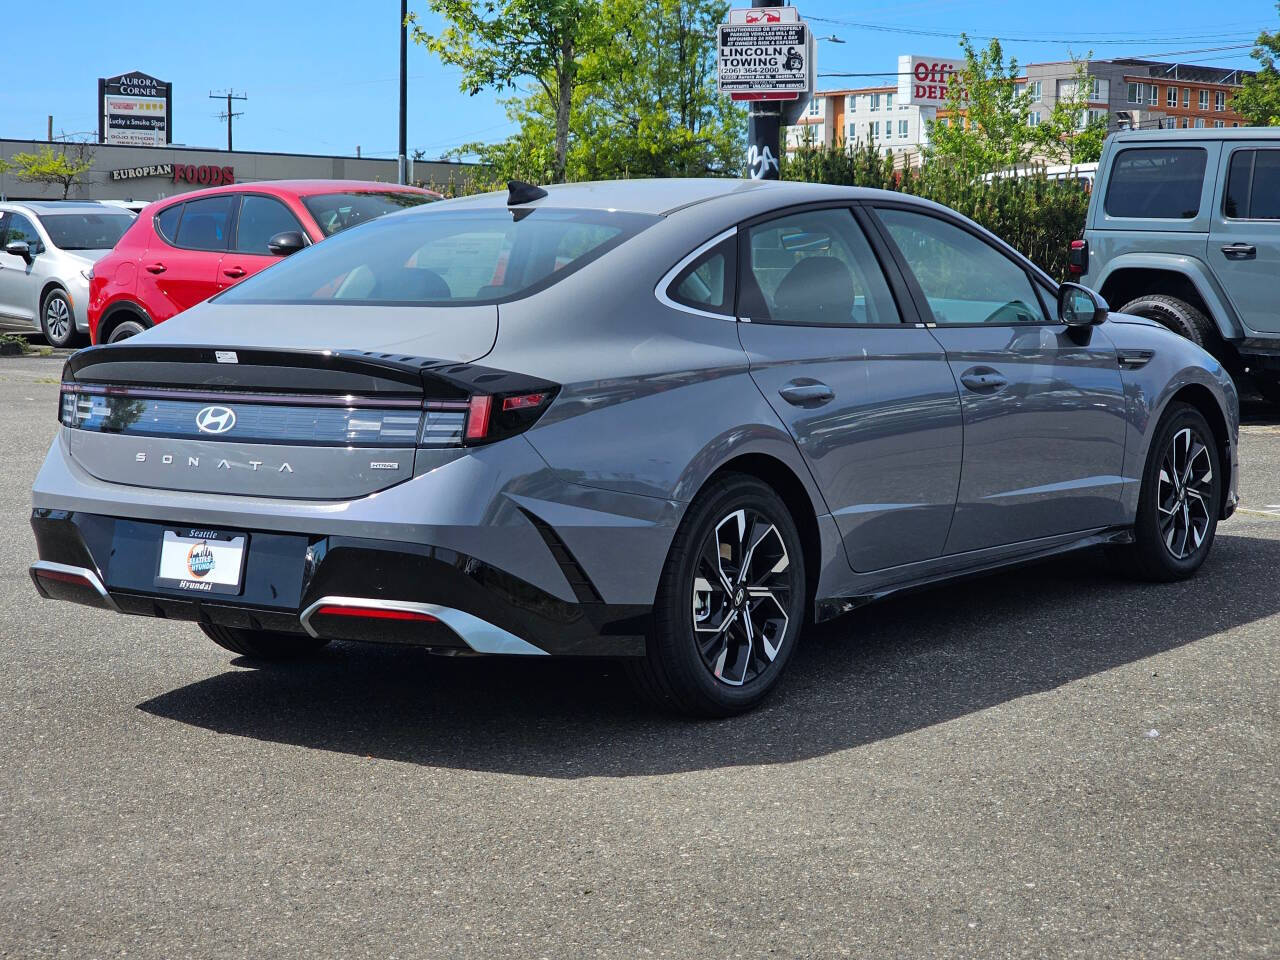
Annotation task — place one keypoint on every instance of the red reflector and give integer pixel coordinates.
(478, 416)
(374, 613)
(526, 402)
(61, 577)
(1075, 269)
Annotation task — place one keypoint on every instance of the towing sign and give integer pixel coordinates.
(763, 57)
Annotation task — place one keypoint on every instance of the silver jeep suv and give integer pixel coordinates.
(47, 249)
(1184, 228)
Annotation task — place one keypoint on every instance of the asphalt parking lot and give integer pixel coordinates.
(1043, 763)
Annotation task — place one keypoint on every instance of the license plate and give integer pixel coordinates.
(202, 561)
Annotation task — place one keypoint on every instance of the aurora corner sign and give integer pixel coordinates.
(764, 54)
(135, 110)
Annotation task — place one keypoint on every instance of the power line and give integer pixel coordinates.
(920, 32)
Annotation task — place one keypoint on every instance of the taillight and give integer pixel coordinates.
(1078, 258)
(373, 613)
(483, 417)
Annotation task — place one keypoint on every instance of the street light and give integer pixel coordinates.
(831, 39)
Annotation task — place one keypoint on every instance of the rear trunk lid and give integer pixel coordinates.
(330, 424)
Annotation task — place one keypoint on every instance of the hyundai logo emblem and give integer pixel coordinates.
(215, 419)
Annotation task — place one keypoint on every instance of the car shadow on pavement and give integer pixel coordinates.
(888, 669)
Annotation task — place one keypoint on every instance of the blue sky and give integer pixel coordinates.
(321, 75)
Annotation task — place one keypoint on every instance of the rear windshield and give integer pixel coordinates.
(338, 211)
(86, 231)
(1156, 184)
(443, 257)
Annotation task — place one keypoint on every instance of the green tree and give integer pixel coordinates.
(645, 103)
(64, 167)
(989, 124)
(1258, 99)
(1086, 146)
(499, 43)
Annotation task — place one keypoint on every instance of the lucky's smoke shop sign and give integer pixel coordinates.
(763, 58)
(135, 110)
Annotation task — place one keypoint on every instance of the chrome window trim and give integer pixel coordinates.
(668, 278)
(480, 635)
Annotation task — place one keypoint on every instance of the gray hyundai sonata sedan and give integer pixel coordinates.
(671, 422)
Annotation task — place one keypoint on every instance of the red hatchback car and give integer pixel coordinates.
(183, 250)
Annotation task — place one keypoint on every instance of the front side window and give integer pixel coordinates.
(707, 283)
(22, 229)
(261, 218)
(86, 231)
(1161, 183)
(814, 269)
(206, 223)
(455, 257)
(335, 212)
(964, 279)
(1253, 186)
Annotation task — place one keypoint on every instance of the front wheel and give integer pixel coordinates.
(126, 329)
(57, 321)
(1180, 501)
(262, 644)
(730, 603)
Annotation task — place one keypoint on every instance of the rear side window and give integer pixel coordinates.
(166, 222)
(338, 211)
(1253, 186)
(261, 218)
(453, 257)
(707, 283)
(1162, 183)
(205, 223)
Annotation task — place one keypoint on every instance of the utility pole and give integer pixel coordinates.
(764, 126)
(228, 115)
(402, 160)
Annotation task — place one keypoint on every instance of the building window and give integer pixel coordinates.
(1186, 98)
(1036, 88)
(888, 101)
(1219, 101)
(875, 129)
(1235, 123)
(1100, 90)
(944, 121)
(1033, 118)
(1199, 121)
(1019, 89)
(1219, 123)
(1204, 99)
(1185, 123)
(902, 129)
(1135, 93)
(815, 107)
(875, 101)
(1171, 96)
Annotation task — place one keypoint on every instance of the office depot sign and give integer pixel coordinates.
(927, 81)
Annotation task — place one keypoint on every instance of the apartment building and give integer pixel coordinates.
(1128, 93)
(861, 115)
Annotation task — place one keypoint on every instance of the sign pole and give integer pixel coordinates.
(402, 159)
(764, 129)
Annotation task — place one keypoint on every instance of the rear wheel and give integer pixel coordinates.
(1179, 316)
(262, 644)
(730, 603)
(125, 329)
(1179, 505)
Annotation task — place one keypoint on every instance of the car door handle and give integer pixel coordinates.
(1240, 251)
(235, 273)
(983, 379)
(155, 268)
(806, 393)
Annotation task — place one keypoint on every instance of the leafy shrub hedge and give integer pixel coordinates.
(1035, 214)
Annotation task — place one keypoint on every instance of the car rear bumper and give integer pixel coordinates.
(334, 587)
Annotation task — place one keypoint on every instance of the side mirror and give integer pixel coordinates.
(1079, 306)
(283, 244)
(19, 248)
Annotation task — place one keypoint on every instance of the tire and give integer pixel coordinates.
(126, 329)
(1161, 550)
(262, 644)
(58, 320)
(700, 661)
(1179, 316)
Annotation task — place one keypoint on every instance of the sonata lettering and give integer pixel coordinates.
(223, 464)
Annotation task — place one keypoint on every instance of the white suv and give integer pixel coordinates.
(47, 249)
